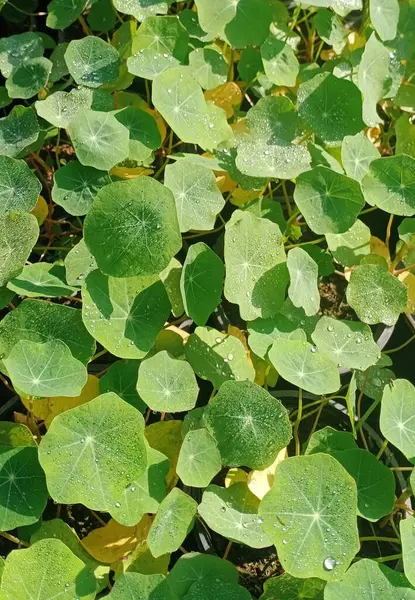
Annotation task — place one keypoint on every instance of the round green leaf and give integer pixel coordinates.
(303, 290)
(407, 531)
(45, 370)
(167, 384)
(357, 154)
(310, 515)
(19, 129)
(256, 422)
(124, 314)
(91, 453)
(41, 279)
(62, 13)
(16, 49)
(302, 365)
(121, 378)
(23, 493)
(217, 356)
(263, 333)
(384, 15)
(390, 184)
(280, 63)
(193, 567)
(61, 108)
(27, 80)
(136, 586)
(214, 588)
(329, 440)
(19, 188)
(79, 262)
(201, 282)
(215, 14)
(330, 202)
(92, 62)
(144, 133)
(208, 67)
(397, 416)
(233, 513)
(290, 588)
(99, 140)
(163, 35)
(349, 344)
(18, 234)
(174, 520)
(199, 459)
(102, 16)
(148, 64)
(75, 187)
(332, 107)
(142, 210)
(348, 248)
(376, 295)
(373, 381)
(170, 277)
(46, 570)
(198, 199)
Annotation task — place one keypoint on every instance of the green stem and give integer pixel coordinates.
(376, 538)
(12, 538)
(298, 421)
(382, 449)
(52, 248)
(58, 140)
(368, 210)
(408, 341)
(367, 414)
(316, 241)
(383, 559)
(98, 354)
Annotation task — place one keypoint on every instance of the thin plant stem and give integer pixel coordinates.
(298, 421)
(98, 518)
(388, 231)
(383, 559)
(318, 415)
(58, 140)
(14, 539)
(368, 210)
(382, 449)
(98, 354)
(316, 241)
(376, 538)
(359, 408)
(367, 414)
(408, 268)
(408, 341)
(286, 198)
(227, 550)
(402, 468)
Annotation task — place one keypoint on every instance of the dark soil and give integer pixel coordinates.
(255, 567)
(333, 298)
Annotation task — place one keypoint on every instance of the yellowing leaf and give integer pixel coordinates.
(225, 182)
(240, 127)
(240, 196)
(260, 482)
(141, 560)
(166, 437)
(379, 247)
(130, 172)
(355, 41)
(108, 544)
(40, 211)
(227, 96)
(409, 280)
(235, 475)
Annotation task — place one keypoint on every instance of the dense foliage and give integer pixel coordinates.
(207, 248)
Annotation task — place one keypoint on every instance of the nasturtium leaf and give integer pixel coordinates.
(92, 61)
(397, 416)
(75, 187)
(407, 531)
(143, 211)
(390, 184)
(376, 295)
(301, 364)
(199, 459)
(303, 289)
(99, 140)
(280, 63)
(46, 570)
(268, 150)
(332, 107)
(141, 9)
(61, 108)
(167, 384)
(405, 136)
(263, 333)
(23, 493)
(330, 28)
(148, 64)
(330, 440)
(256, 270)
(40, 321)
(384, 15)
(59, 68)
(217, 357)
(349, 248)
(136, 586)
(15, 435)
(193, 567)
(193, 420)
(62, 13)
(102, 16)
(124, 314)
(370, 580)
(165, 436)
(208, 67)
(214, 588)
(78, 263)
(17, 49)
(121, 378)
(256, 422)
(292, 588)
(91, 453)
(315, 532)
(19, 188)
(214, 15)
(251, 23)
(45, 369)
(170, 276)
(19, 129)
(41, 279)
(18, 234)
(201, 282)
(162, 35)
(174, 520)
(250, 64)
(357, 153)
(227, 161)
(330, 202)
(374, 380)
(349, 344)
(198, 199)
(27, 80)
(144, 133)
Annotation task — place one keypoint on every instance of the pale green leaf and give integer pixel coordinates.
(208, 66)
(291, 588)
(162, 35)
(384, 15)
(28, 79)
(92, 62)
(61, 108)
(18, 234)
(62, 13)
(329, 440)
(16, 49)
(349, 248)
(407, 531)
(199, 459)
(19, 187)
(280, 63)
(303, 290)
(136, 586)
(193, 567)
(397, 416)
(78, 263)
(357, 154)
(19, 129)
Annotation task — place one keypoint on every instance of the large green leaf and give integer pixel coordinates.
(198, 199)
(16, 49)
(217, 356)
(303, 290)
(330, 440)
(201, 282)
(397, 416)
(280, 63)
(61, 108)
(384, 15)
(19, 129)
(330, 202)
(199, 459)
(19, 188)
(148, 64)
(141, 9)
(136, 586)
(15, 435)
(46, 570)
(256, 422)
(92, 62)
(91, 453)
(144, 133)
(312, 518)
(62, 13)
(142, 210)
(407, 531)
(291, 588)
(376, 295)
(256, 270)
(263, 333)
(214, 15)
(162, 35)
(214, 588)
(173, 522)
(124, 314)
(167, 384)
(193, 567)
(302, 365)
(41, 279)
(23, 493)
(357, 153)
(26, 81)
(170, 277)
(18, 234)
(75, 187)
(45, 369)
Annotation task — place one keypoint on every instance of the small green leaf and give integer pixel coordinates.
(15, 435)
(397, 415)
(141, 9)
(62, 13)
(102, 16)
(19, 129)
(136, 586)
(290, 588)
(256, 422)
(312, 539)
(41, 279)
(357, 154)
(349, 248)
(384, 15)
(92, 62)
(263, 333)
(214, 15)
(303, 289)
(329, 440)
(302, 365)
(199, 459)
(214, 588)
(148, 64)
(18, 234)
(331, 30)
(75, 187)
(121, 378)
(373, 381)
(251, 22)
(193, 567)
(144, 133)
(80, 467)
(26, 81)
(19, 188)
(280, 63)
(17, 49)
(405, 135)
(144, 211)
(208, 67)
(61, 108)
(174, 520)
(250, 64)
(162, 35)
(376, 295)
(78, 263)
(59, 68)
(167, 384)
(407, 531)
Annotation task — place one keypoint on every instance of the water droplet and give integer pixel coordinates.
(329, 563)
(330, 328)
(117, 504)
(358, 340)
(313, 349)
(223, 509)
